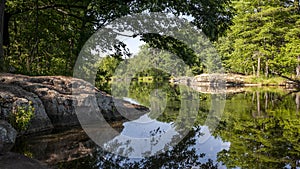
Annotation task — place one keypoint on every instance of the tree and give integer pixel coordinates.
(254, 43)
(45, 37)
(2, 7)
(292, 47)
(105, 72)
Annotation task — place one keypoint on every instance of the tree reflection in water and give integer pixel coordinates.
(260, 129)
(183, 155)
(263, 127)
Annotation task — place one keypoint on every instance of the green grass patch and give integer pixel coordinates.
(272, 81)
(271, 89)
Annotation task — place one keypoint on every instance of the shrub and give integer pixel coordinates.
(21, 117)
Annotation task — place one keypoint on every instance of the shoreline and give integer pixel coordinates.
(232, 80)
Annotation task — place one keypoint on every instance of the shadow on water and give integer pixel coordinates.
(259, 128)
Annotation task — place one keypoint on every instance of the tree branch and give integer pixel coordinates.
(67, 13)
(62, 5)
(52, 6)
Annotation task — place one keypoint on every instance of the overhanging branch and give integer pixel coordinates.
(52, 6)
(67, 13)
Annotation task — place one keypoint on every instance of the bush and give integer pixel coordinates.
(21, 117)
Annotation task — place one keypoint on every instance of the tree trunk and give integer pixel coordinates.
(2, 65)
(258, 67)
(267, 69)
(297, 100)
(298, 67)
(296, 4)
(253, 70)
(6, 19)
(266, 101)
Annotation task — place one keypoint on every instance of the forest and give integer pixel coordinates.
(42, 37)
(255, 38)
(264, 38)
(45, 37)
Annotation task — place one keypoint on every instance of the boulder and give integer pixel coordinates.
(7, 137)
(58, 98)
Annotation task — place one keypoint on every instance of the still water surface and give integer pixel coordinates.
(259, 128)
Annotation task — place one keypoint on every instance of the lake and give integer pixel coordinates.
(252, 128)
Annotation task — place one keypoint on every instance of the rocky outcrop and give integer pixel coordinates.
(228, 80)
(7, 137)
(215, 83)
(56, 99)
(205, 80)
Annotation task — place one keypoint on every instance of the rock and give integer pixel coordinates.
(14, 97)
(214, 83)
(58, 98)
(7, 137)
(17, 161)
(117, 109)
(212, 80)
(228, 79)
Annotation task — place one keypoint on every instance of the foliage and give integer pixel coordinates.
(172, 103)
(105, 72)
(21, 116)
(156, 64)
(159, 64)
(45, 37)
(263, 38)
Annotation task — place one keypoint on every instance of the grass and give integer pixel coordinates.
(272, 89)
(272, 81)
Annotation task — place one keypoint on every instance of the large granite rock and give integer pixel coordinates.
(13, 97)
(7, 137)
(57, 98)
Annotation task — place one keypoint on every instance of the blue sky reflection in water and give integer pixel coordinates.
(144, 128)
(150, 136)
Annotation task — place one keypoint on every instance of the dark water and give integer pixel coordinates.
(257, 128)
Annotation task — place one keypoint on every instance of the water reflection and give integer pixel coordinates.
(187, 154)
(260, 128)
(263, 128)
(143, 137)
